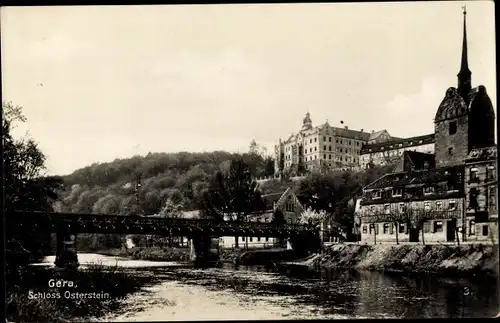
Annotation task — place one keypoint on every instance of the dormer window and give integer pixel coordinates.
(396, 192)
(387, 209)
(402, 208)
(428, 190)
(452, 205)
(377, 195)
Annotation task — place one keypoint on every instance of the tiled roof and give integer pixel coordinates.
(401, 179)
(398, 143)
(480, 154)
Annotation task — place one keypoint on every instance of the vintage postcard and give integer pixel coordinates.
(250, 161)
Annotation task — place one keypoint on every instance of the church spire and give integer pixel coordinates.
(464, 76)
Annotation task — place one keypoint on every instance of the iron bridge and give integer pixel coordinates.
(74, 223)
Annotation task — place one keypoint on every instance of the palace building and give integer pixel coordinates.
(323, 147)
(446, 196)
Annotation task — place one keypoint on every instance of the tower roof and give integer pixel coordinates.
(464, 65)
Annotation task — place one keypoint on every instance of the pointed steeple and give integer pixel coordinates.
(464, 76)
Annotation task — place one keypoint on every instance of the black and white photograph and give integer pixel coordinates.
(279, 161)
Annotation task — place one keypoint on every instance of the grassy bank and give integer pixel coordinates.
(31, 299)
(257, 257)
(464, 259)
(150, 253)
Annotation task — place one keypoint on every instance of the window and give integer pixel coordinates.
(315, 139)
(452, 128)
(490, 173)
(377, 194)
(472, 227)
(485, 230)
(427, 227)
(324, 138)
(386, 228)
(324, 147)
(473, 178)
(329, 156)
(397, 192)
(428, 190)
(387, 209)
(450, 151)
(372, 209)
(329, 148)
(242, 238)
(310, 141)
(251, 239)
(452, 205)
(492, 200)
(258, 239)
(329, 139)
(340, 140)
(439, 206)
(364, 229)
(315, 148)
(336, 140)
(340, 149)
(324, 156)
(267, 239)
(473, 194)
(401, 228)
(427, 206)
(438, 226)
(402, 208)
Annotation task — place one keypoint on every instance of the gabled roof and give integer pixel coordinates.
(482, 154)
(418, 160)
(416, 177)
(270, 199)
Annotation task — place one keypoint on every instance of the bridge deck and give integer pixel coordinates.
(105, 223)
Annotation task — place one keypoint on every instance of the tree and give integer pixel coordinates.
(279, 221)
(232, 196)
(25, 188)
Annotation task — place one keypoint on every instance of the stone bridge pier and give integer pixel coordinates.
(66, 253)
(202, 253)
(305, 242)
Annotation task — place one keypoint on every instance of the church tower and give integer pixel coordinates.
(465, 118)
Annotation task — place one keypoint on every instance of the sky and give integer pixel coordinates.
(98, 83)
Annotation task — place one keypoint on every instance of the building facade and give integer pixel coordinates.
(389, 151)
(450, 195)
(286, 202)
(323, 147)
(414, 206)
(481, 187)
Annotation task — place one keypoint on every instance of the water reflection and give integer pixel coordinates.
(326, 295)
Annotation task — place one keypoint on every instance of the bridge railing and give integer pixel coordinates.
(52, 219)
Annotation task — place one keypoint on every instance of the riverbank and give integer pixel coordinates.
(257, 257)
(149, 253)
(449, 259)
(33, 296)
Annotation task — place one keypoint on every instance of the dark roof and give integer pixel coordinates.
(400, 179)
(352, 134)
(418, 159)
(398, 143)
(270, 199)
(482, 154)
(452, 106)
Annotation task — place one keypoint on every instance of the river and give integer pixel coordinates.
(184, 293)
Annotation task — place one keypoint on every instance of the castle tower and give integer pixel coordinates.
(307, 123)
(465, 118)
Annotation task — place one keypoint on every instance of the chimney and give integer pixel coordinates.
(362, 130)
(373, 131)
(345, 127)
